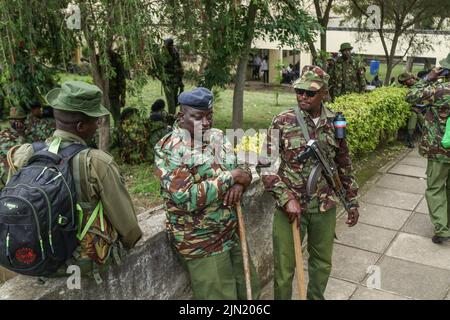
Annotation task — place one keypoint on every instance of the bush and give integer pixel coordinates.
(372, 118)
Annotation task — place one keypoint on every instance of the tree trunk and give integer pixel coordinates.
(409, 64)
(390, 58)
(323, 40)
(238, 94)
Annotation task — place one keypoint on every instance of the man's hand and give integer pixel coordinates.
(241, 177)
(352, 217)
(233, 195)
(293, 210)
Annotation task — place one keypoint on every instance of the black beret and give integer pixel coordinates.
(199, 98)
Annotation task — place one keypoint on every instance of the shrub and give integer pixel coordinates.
(373, 117)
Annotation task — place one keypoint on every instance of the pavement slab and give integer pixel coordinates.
(403, 183)
(407, 170)
(381, 216)
(351, 263)
(420, 249)
(392, 198)
(364, 236)
(423, 207)
(413, 280)
(414, 161)
(420, 224)
(364, 293)
(339, 289)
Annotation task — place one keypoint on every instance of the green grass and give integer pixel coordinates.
(398, 69)
(70, 77)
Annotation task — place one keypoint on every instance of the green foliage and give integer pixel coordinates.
(216, 31)
(372, 118)
(32, 39)
(321, 59)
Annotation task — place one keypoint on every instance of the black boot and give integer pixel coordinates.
(409, 141)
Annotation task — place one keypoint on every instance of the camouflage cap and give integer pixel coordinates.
(405, 76)
(445, 63)
(17, 113)
(78, 96)
(345, 46)
(313, 79)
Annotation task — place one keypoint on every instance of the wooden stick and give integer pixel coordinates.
(244, 247)
(300, 275)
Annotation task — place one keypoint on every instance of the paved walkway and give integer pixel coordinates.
(394, 233)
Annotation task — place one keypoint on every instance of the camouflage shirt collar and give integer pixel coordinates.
(68, 136)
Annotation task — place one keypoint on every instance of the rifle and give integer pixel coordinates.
(322, 165)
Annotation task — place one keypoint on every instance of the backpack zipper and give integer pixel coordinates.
(49, 211)
(70, 195)
(7, 247)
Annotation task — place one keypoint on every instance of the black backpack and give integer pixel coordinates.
(38, 220)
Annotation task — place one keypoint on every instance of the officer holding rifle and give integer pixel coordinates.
(315, 172)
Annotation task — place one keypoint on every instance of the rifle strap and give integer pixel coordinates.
(302, 123)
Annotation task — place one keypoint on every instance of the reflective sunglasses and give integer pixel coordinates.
(309, 93)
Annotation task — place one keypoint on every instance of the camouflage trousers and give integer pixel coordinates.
(320, 228)
(221, 277)
(438, 196)
(171, 93)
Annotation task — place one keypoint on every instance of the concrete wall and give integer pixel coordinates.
(152, 270)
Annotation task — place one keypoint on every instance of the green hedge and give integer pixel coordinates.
(372, 118)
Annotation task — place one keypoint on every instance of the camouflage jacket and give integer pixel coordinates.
(290, 180)
(173, 68)
(8, 139)
(193, 186)
(437, 97)
(346, 77)
(38, 129)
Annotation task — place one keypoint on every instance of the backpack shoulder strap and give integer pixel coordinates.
(70, 151)
(79, 173)
(38, 146)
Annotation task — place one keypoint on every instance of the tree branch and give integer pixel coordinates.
(326, 15)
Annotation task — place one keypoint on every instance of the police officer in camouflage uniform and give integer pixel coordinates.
(38, 128)
(173, 75)
(317, 214)
(200, 191)
(347, 74)
(435, 93)
(9, 138)
(408, 80)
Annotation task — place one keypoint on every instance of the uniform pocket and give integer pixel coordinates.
(295, 143)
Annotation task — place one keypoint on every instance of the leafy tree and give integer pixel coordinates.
(323, 9)
(120, 35)
(221, 33)
(33, 41)
(399, 20)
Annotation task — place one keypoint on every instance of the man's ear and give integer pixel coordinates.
(180, 116)
(81, 127)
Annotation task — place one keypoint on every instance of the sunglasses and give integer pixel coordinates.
(309, 93)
